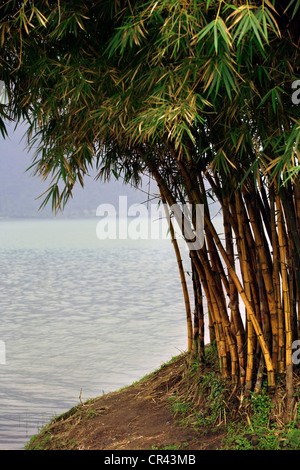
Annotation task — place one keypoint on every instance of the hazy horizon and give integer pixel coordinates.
(19, 190)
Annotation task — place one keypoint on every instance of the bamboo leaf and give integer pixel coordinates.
(205, 30)
(216, 39)
(296, 7)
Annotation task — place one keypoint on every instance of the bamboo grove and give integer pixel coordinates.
(248, 276)
(197, 94)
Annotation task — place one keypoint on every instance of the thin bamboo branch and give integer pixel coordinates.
(190, 333)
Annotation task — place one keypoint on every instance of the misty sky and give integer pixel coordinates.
(19, 189)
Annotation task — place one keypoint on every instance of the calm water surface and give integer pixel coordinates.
(78, 313)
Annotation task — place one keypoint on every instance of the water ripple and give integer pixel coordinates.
(79, 315)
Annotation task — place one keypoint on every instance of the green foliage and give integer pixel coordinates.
(211, 390)
(194, 93)
(95, 82)
(91, 414)
(41, 439)
(258, 431)
(180, 407)
(261, 407)
(171, 447)
(292, 440)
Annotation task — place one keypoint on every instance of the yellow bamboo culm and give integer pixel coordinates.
(190, 332)
(218, 309)
(204, 273)
(236, 320)
(245, 272)
(248, 305)
(286, 305)
(266, 271)
(277, 286)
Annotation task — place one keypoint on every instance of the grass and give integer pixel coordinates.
(260, 430)
(206, 402)
(171, 447)
(201, 400)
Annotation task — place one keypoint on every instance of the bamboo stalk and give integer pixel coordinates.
(204, 273)
(199, 326)
(238, 327)
(190, 333)
(297, 200)
(217, 299)
(196, 316)
(217, 288)
(245, 273)
(286, 305)
(256, 325)
(215, 321)
(293, 240)
(236, 321)
(297, 212)
(260, 374)
(247, 302)
(267, 277)
(277, 285)
(254, 321)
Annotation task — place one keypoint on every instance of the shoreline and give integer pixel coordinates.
(136, 417)
(183, 406)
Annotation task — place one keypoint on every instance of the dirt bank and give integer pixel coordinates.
(135, 418)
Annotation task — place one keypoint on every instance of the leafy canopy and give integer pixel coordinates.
(96, 81)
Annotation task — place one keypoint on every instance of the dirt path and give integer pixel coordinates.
(135, 418)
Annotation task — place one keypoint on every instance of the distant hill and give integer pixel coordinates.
(19, 189)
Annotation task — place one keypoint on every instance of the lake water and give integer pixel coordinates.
(79, 313)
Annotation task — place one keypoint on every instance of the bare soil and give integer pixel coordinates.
(135, 418)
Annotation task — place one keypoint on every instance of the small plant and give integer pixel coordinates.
(211, 354)
(91, 414)
(211, 392)
(258, 431)
(39, 441)
(292, 440)
(242, 443)
(171, 447)
(213, 388)
(180, 407)
(261, 407)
